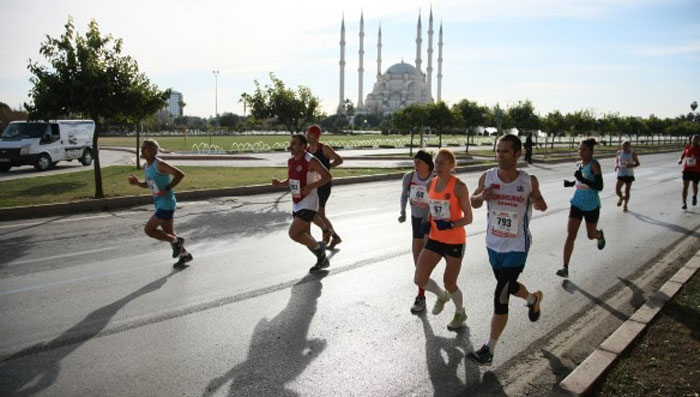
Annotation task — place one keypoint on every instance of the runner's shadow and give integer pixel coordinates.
(669, 226)
(571, 287)
(30, 371)
(279, 350)
(13, 249)
(559, 369)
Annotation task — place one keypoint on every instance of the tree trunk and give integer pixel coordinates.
(138, 145)
(99, 193)
(440, 134)
(410, 147)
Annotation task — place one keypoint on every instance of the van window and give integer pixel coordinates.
(25, 130)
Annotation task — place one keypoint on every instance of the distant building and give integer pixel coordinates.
(175, 103)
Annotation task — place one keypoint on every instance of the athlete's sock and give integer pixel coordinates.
(492, 344)
(531, 299)
(457, 299)
(433, 287)
(316, 248)
(421, 292)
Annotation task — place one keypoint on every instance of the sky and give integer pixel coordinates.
(632, 57)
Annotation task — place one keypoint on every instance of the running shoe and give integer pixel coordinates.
(563, 272)
(184, 258)
(335, 241)
(418, 304)
(177, 246)
(320, 265)
(440, 302)
(482, 356)
(457, 321)
(534, 309)
(601, 240)
(695, 201)
(685, 206)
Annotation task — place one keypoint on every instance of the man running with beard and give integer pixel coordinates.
(510, 194)
(305, 175)
(330, 159)
(161, 178)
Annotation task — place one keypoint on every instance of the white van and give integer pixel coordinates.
(43, 144)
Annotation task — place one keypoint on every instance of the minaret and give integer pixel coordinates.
(439, 71)
(418, 43)
(430, 56)
(341, 104)
(361, 69)
(379, 53)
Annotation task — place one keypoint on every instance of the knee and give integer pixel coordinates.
(451, 285)
(570, 237)
(420, 280)
(293, 234)
(150, 231)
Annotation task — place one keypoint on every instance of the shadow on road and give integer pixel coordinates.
(669, 226)
(571, 287)
(279, 350)
(23, 375)
(559, 369)
(638, 298)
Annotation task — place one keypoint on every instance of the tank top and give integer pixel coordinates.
(300, 175)
(625, 159)
(157, 182)
(322, 158)
(445, 205)
(585, 197)
(509, 213)
(692, 158)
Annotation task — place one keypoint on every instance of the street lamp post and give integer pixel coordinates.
(216, 100)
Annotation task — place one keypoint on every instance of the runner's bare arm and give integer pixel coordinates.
(463, 195)
(537, 200)
(477, 198)
(336, 160)
(635, 159)
(135, 181)
(165, 168)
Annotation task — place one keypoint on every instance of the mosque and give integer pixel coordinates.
(402, 84)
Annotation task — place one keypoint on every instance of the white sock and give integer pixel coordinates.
(531, 298)
(457, 299)
(492, 344)
(433, 287)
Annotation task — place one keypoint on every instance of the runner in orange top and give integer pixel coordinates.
(450, 211)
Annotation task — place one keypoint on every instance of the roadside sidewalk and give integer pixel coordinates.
(581, 380)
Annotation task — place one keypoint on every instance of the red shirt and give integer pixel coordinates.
(297, 172)
(692, 158)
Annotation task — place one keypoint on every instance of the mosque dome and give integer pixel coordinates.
(401, 68)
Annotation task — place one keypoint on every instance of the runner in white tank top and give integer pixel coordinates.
(625, 162)
(509, 213)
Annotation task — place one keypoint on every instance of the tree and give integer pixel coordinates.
(229, 120)
(439, 117)
(554, 124)
(472, 115)
(289, 107)
(412, 117)
(89, 77)
(7, 115)
(524, 117)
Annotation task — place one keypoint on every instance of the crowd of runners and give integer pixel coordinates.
(441, 207)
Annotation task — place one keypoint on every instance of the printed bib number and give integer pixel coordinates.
(504, 223)
(623, 163)
(440, 209)
(152, 187)
(295, 187)
(691, 161)
(418, 196)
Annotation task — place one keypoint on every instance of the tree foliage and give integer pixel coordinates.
(89, 77)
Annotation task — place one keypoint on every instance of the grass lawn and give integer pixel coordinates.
(80, 185)
(665, 360)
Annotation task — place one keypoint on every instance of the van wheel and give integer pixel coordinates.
(86, 158)
(43, 162)
(5, 168)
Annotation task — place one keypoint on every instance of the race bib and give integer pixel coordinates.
(623, 163)
(152, 187)
(440, 209)
(295, 187)
(504, 223)
(691, 161)
(418, 196)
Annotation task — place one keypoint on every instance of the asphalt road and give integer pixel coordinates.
(91, 306)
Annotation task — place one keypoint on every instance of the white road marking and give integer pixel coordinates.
(47, 258)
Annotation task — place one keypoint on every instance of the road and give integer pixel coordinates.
(91, 306)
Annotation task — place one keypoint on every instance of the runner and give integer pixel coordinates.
(510, 195)
(305, 175)
(449, 213)
(330, 159)
(585, 203)
(161, 178)
(625, 162)
(414, 183)
(691, 169)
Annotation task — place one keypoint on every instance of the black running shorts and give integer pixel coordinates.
(591, 216)
(305, 215)
(691, 176)
(442, 249)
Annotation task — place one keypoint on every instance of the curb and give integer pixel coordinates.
(583, 377)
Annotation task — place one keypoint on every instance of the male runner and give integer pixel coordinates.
(691, 169)
(161, 178)
(510, 194)
(305, 175)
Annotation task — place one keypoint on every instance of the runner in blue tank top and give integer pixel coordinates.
(585, 203)
(161, 178)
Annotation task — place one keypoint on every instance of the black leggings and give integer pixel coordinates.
(506, 284)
